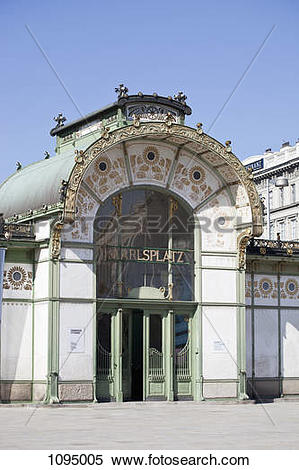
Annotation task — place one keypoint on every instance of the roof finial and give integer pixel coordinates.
(199, 127)
(228, 146)
(180, 97)
(122, 91)
(60, 119)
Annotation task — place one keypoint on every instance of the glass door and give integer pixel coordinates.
(104, 372)
(182, 357)
(132, 351)
(154, 356)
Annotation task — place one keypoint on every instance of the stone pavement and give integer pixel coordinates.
(153, 425)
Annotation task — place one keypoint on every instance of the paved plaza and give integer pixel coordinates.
(178, 425)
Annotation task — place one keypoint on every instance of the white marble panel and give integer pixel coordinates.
(41, 316)
(41, 281)
(266, 342)
(219, 343)
(76, 280)
(76, 254)
(41, 254)
(42, 229)
(218, 285)
(248, 342)
(16, 341)
(76, 365)
(219, 261)
(290, 343)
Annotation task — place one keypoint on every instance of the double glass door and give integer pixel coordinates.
(142, 355)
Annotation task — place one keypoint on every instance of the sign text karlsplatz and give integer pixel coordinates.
(112, 253)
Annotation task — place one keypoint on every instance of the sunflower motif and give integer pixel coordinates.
(17, 277)
(151, 154)
(197, 174)
(103, 166)
(266, 286)
(291, 287)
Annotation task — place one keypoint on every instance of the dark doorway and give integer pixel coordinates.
(137, 356)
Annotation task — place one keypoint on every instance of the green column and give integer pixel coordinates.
(197, 348)
(53, 333)
(146, 322)
(196, 355)
(241, 332)
(169, 347)
(118, 355)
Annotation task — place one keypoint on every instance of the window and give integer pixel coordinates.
(271, 231)
(293, 229)
(281, 226)
(293, 193)
(148, 245)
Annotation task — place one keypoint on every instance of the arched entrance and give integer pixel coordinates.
(205, 178)
(144, 249)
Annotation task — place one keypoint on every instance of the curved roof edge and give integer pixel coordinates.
(35, 185)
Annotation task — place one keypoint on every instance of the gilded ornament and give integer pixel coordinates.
(117, 202)
(242, 243)
(60, 119)
(169, 119)
(122, 91)
(136, 120)
(79, 156)
(56, 239)
(228, 146)
(199, 128)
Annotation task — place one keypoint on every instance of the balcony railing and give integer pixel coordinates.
(272, 247)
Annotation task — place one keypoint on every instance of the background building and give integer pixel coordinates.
(284, 201)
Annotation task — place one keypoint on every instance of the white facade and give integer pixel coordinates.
(284, 202)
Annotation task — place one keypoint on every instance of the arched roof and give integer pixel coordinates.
(35, 185)
(39, 184)
(219, 157)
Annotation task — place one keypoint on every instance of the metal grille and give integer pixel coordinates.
(182, 363)
(104, 362)
(155, 364)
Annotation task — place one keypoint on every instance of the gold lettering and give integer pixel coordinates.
(132, 254)
(153, 253)
(180, 258)
(158, 259)
(138, 256)
(125, 253)
(146, 255)
(167, 256)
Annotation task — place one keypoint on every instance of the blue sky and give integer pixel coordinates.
(200, 47)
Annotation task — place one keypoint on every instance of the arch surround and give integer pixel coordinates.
(231, 180)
